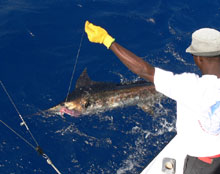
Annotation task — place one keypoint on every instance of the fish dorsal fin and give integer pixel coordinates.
(84, 80)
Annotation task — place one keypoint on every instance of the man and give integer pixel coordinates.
(198, 98)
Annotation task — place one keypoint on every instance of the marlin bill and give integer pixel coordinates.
(90, 97)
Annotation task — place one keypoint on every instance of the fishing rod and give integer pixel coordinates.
(23, 123)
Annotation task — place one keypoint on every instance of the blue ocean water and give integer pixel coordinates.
(39, 41)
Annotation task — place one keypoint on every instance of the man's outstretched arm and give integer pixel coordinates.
(137, 65)
(133, 62)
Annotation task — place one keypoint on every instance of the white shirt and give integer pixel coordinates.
(198, 110)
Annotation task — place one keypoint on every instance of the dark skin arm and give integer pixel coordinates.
(133, 62)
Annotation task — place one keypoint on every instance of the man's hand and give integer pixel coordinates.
(98, 34)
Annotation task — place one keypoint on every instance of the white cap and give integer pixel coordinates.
(205, 42)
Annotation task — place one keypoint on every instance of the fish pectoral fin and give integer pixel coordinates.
(146, 108)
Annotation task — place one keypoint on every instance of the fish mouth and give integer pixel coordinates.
(61, 110)
(73, 113)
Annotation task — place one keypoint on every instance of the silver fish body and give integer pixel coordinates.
(91, 97)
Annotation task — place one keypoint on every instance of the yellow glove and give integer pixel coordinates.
(98, 34)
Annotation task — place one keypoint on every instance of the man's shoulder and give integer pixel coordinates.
(164, 73)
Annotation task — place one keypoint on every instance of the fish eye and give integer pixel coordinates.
(87, 104)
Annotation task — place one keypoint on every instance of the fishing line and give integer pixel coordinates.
(74, 68)
(23, 123)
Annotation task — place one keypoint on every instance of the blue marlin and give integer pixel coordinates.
(91, 97)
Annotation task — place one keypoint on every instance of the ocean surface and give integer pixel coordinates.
(39, 42)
